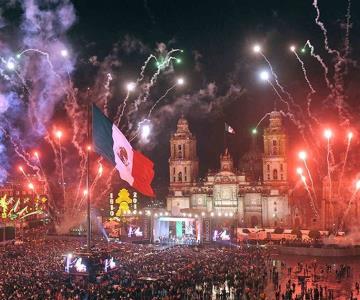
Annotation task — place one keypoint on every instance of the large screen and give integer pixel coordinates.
(221, 234)
(135, 231)
(75, 264)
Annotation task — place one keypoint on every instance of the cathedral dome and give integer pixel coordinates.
(251, 162)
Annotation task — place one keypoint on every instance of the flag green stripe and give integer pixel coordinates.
(102, 135)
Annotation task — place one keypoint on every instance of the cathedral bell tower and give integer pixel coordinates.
(275, 152)
(226, 162)
(183, 161)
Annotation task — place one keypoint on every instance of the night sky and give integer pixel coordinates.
(217, 38)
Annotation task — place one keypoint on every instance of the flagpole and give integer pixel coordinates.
(88, 217)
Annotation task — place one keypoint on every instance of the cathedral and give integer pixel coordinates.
(256, 193)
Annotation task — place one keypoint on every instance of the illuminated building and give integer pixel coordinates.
(256, 193)
(16, 187)
(19, 198)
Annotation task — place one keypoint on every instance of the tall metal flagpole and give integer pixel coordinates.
(88, 181)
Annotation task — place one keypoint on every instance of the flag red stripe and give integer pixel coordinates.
(143, 173)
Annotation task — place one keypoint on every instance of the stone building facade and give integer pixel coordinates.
(255, 198)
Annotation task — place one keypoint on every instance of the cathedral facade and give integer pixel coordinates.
(256, 193)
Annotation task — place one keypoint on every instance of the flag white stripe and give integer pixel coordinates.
(124, 155)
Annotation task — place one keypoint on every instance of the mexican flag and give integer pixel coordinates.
(110, 143)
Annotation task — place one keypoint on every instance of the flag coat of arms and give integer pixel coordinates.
(108, 141)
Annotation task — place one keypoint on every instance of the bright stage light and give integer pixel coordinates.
(21, 169)
(58, 134)
(299, 171)
(350, 135)
(212, 214)
(264, 75)
(257, 48)
(302, 155)
(357, 185)
(254, 131)
(180, 81)
(178, 60)
(328, 133)
(36, 154)
(69, 255)
(303, 178)
(88, 147)
(64, 53)
(31, 186)
(10, 65)
(85, 192)
(292, 48)
(130, 86)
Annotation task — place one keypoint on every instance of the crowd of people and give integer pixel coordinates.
(35, 270)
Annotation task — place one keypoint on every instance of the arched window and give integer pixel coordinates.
(268, 167)
(275, 148)
(179, 152)
(275, 174)
(179, 177)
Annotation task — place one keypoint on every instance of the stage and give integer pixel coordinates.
(189, 230)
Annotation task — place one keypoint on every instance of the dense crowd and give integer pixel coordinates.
(35, 270)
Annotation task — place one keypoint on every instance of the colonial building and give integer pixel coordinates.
(256, 193)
